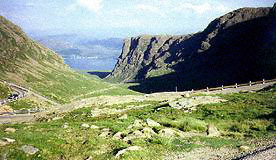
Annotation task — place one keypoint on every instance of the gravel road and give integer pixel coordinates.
(8, 119)
(268, 153)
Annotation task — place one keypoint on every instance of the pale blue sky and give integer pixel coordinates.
(119, 18)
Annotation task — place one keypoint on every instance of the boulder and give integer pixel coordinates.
(118, 135)
(212, 131)
(205, 45)
(10, 130)
(57, 118)
(187, 95)
(84, 125)
(28, 149)
(148, 132)
(123, 151)
(152, 123)
(127, 138)
(106, 129)
(94, 127)
(106, 132)
(123, 117)
(9, 140)
(136, 134)
(3, 143)
(136, 124)
(244, 148)
(182, 104)
(167, 132)
(89, 158)
(65, 126)
(190, 104)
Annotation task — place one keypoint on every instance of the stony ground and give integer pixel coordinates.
(265, 149)
(205, 154)
(123, 126)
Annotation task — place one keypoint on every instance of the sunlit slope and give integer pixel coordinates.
(26, 62)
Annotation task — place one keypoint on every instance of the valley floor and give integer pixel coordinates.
(179, 125)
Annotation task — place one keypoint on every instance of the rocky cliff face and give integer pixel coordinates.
(236, 47)
(144, 54)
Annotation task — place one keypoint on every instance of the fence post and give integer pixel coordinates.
(192, 90)
(175, 88)
(236, 85)
(263, 81)
(207, 89)
(222, 87)
(250, 83)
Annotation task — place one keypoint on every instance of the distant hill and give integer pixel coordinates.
(28, 63)
(97, 54)
(237, 47)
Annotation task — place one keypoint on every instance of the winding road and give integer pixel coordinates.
(20, 91)
(121, 99)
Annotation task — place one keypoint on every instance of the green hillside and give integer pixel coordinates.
(4, 91)
(26, 62)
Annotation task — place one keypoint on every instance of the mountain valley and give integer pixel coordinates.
(163, 100)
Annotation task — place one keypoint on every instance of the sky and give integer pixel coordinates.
(119, 18)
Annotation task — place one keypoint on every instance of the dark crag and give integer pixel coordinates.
(235, 48)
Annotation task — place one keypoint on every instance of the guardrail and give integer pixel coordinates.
(236, 85)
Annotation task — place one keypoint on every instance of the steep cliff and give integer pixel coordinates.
(237, 47)
(144, 54)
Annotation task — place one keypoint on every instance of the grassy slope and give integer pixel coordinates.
(26, 62)
(244, 117)
(4, 91)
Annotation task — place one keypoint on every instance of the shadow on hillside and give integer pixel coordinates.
(101, 75)
(173, 82)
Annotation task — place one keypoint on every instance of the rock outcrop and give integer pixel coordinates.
(143, 54)
(273, 11)
(190, 104)
(237, 47)
(212, 131)
(10, 130)
(30, 150)
(123, 151)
